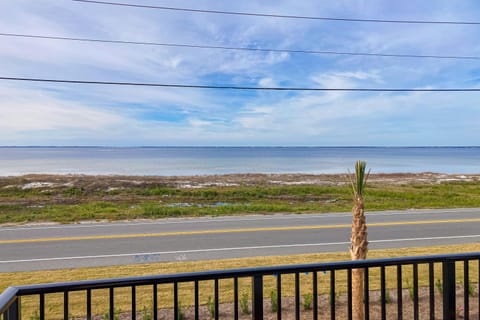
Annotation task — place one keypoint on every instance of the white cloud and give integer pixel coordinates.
(267, 82)
(199, 123)
(30, 110)
(344, 79)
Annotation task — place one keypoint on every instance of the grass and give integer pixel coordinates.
(122, 295)
(72, 204)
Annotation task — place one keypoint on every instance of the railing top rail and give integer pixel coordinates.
(245, 272)
(7, 298)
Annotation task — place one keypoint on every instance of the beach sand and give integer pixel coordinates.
(111, 182)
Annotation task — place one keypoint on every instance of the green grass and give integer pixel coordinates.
(70, 204)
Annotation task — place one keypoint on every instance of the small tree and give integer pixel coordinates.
(359, 243)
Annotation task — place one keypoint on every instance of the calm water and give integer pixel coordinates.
(212, 160)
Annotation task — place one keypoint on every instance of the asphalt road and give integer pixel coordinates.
(38, 247)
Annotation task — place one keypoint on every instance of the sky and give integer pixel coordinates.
(41, 114)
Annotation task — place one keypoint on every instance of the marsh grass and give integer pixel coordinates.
(54, 302)
(75, 204)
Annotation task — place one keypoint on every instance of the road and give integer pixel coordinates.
(38, 247)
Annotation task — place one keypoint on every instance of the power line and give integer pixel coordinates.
(279, 15)
(198, 46)
(232, 87)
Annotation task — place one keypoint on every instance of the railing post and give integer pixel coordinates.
(448, 273)
(257, 297)
(13, 311)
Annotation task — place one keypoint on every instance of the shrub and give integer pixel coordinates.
(211, 307)
(244, 303)
(273, 301)
(439, 286)
(307, 301)
(147, 313)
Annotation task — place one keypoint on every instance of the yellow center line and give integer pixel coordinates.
(242, 230)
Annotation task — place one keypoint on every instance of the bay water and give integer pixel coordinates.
(179, 161)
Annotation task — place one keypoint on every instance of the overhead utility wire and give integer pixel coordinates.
(279, 15)
(183, 45)
(232, 87)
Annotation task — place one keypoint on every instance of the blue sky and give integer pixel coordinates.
(61, 114)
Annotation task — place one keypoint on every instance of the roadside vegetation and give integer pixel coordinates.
(75, 198)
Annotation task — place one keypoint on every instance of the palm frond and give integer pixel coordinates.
(352, 184)
(360, 177)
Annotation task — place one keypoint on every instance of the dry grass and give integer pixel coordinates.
(144, 294)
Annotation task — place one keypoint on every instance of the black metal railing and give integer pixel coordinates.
(430, 287)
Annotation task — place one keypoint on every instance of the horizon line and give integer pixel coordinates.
(239, 146)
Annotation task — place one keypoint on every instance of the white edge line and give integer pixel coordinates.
(232, 219)
(229, 249)
(185, 220)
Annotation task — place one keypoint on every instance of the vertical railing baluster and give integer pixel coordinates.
(197, 302)
(175, 300)
(449, 299)
(366, 293)
(89, 304)
(415, 292)
(155, 301)
(466, 291)
(216, 299)
(315, 295)
(134, 302)
(279, 296)
(112, 304)
(478, 289)
(235, 298)
(399, 293)
(332, 295)
(65, 305)
(431, 288)
(42, 306)
(383, 293)
(257, 297)
(349, 294)
(297, 296)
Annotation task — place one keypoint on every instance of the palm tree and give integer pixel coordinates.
(359, 243)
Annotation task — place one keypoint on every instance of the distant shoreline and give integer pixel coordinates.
(239, 147)
(420, 176)
(32, 181)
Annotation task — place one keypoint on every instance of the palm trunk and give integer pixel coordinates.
(358, 251)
